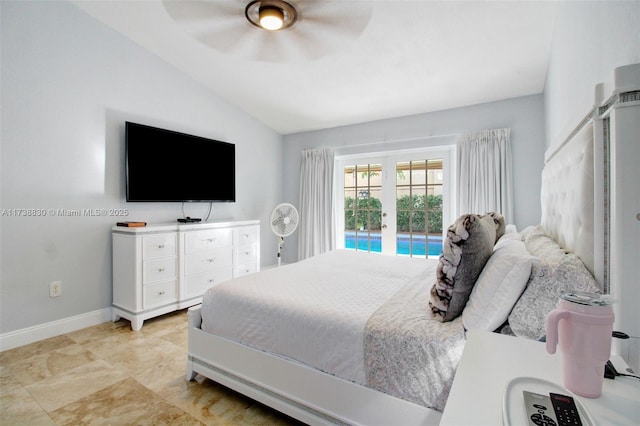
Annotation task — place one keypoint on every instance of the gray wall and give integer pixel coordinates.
(68, 84)
(523, 115)
(591, 38)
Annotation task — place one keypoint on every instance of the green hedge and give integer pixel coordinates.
(369, 214)
(417, 213)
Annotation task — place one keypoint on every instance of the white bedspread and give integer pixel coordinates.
(300, 309)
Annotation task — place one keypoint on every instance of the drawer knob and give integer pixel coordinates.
(212, 260)
(160, 269)
(212, 280)
(160, 293)
(160, 246)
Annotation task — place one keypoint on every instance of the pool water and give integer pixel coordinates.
(420, 243)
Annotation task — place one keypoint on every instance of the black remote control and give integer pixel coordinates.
(566, 411)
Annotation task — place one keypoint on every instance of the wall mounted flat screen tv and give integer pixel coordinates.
(163, 165)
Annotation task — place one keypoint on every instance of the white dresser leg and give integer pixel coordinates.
(136, 324)
(190, 373)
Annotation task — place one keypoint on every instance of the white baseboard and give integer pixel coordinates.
(14, 339)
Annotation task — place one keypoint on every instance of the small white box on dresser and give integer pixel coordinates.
(162, 268)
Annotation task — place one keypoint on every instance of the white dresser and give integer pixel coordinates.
(162, 268)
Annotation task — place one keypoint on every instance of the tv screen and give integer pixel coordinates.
(163, 165)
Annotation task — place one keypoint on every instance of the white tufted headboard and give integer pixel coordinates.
(567, 197)
(591, 203)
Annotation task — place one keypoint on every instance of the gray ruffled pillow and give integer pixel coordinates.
(466, 249)
(553, 271)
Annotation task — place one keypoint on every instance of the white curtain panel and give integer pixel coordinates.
(485, 182)
(316, 234)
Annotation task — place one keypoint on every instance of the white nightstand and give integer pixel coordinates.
(491, 361)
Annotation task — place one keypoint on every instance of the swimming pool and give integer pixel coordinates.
(404, 244)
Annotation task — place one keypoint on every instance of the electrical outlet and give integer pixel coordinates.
(55, 289)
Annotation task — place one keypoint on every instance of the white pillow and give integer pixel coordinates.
(508, 236)
(510, 228)
(499, 286)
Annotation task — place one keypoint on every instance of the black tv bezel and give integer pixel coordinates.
(183, 136)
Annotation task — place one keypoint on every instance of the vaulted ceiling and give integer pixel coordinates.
(346, 62)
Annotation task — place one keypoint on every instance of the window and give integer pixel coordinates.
(363, 207)
(419, 207)
(396, 203)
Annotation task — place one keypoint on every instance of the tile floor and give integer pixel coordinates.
(108, 374)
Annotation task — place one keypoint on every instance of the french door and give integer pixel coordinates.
(394, 204)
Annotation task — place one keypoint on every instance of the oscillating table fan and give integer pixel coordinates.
(284, 221)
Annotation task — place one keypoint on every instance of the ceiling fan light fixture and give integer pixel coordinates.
(271, 18)
(271, 15)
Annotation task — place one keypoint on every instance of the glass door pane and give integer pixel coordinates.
(419, 207)
(363, 207)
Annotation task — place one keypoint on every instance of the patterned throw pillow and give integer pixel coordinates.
(554, 271)
(466, 249)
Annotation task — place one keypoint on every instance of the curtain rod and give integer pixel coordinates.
(391, 141)
(417, 138)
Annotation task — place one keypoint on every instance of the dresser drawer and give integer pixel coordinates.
(245, 254)
(248, 268)
(197, 284)
(158, 270)
(158, 294)
(207, 240)
(155, 246)
(245, 235)
(208, 260)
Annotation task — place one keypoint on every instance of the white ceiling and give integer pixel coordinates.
(379, 59)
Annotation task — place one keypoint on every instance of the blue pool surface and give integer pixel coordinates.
(404, 244)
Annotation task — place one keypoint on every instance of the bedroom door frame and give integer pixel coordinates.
(389, 159)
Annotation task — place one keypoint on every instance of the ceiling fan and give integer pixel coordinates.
(303, 29)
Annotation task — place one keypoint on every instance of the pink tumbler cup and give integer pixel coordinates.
(582, 325)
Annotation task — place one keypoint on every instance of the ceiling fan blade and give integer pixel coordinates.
(225, 40)
(189, 11)
(325, 27)
(218, 24)
(322, 27)
(345, 17)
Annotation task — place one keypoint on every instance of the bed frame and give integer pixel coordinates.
(601, 228)
(304, 393)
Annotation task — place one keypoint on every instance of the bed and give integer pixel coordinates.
(349, 337)
(388, 355)
(287, 317)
